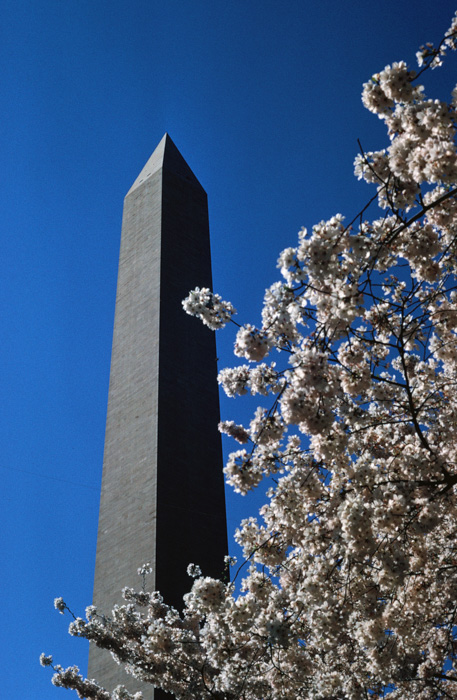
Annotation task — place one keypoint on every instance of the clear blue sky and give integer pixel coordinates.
(263, 100)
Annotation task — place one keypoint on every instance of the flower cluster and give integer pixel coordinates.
(229, 427)
(209, 307)
(59, 605)
(350, 578)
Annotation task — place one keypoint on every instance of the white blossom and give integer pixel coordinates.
(59, 605)
(145, 569)
(209, 307)
(229, 427)
(45, 660)
(252, 343)
(194, 570)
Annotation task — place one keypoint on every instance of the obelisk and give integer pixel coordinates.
(162, 498)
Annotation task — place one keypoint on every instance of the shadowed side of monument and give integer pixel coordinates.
(162, 495)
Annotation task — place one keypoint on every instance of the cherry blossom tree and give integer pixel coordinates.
(349, 584)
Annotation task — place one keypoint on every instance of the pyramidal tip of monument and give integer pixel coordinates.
(165, 157)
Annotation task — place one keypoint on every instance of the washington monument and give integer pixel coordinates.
(162, 497)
